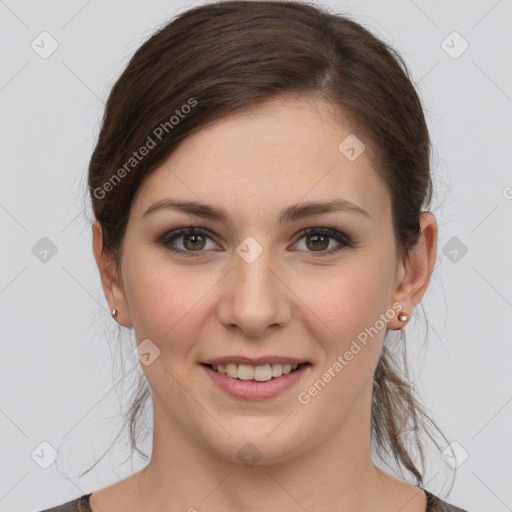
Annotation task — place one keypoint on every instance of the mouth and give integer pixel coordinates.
(260, 373)
(261, 382)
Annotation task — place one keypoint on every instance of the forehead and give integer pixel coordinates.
(279, 153)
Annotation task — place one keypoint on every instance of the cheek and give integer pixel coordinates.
(351, 303)
(352, 306)
(162, 297)
(349, 298)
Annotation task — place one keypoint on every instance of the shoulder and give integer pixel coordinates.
(435, 504)
(78, 505)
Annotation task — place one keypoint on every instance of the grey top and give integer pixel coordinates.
(434, 504)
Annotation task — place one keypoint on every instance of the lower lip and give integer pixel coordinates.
(252, 389)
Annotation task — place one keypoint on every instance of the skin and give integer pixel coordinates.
(286, 302)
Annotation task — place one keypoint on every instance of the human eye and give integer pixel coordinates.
(192, 240)
(320, 238)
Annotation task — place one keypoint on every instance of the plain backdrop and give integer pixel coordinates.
(58, 346)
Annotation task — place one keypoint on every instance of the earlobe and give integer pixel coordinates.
(416, 269)
(110, 282)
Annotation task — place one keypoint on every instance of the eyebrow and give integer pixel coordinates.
(289, 214)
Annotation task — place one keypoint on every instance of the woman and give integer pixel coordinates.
(260, 190)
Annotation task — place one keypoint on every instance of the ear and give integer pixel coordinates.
(414, 272)
(110, 281)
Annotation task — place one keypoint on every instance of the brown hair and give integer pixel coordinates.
(228, 56)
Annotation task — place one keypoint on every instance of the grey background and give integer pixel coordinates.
(57, 361)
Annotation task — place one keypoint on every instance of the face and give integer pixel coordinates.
(269, 280)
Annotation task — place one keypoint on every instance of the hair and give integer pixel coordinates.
(229, 56)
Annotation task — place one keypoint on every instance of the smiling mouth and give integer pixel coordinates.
(259, 373)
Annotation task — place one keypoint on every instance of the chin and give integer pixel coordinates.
(259, 444)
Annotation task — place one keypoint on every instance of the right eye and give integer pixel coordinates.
(192, 240)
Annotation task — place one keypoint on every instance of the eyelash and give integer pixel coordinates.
(340, 237)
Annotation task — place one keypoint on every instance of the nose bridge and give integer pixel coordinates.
(253, 298)
(252, 279)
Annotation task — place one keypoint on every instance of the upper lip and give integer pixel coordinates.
(254, 361)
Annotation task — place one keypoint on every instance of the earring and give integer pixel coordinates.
(402, 317)
(114, 312)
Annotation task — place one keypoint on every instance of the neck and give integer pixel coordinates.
(185, 475)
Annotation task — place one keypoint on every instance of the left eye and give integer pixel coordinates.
(194, 241)
(319, 240)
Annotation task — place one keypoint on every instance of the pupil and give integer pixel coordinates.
(194, 240)
(316, 242)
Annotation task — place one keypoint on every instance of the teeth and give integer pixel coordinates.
(260, 373)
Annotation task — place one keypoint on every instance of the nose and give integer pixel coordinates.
(254, 298)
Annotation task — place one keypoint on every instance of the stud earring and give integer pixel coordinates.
(114, 312)
(402, 317)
